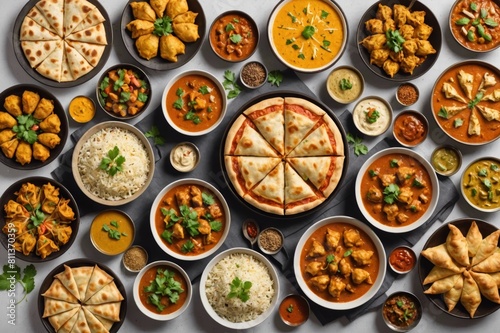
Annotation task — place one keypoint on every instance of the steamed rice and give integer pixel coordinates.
(124, 183)
(247, 268)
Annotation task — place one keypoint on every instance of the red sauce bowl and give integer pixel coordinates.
(402, 259)
(294, 310)
(410, 128)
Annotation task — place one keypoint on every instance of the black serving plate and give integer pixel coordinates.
(58, 109)
(285, 93)
(157, 62)
(79, 263)
(435, 39)
(18, 51)
(9, 194)
(424, 267)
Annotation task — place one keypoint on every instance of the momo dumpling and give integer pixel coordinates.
(171, 47)
(147, 46)
(140, 27)
(143, 11)
(159, 6)
(456, 244)
(187, 32)
(176, 7)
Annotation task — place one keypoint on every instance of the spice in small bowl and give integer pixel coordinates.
(135, 258)
(270, 240)
(253, 75)
(407, 94)
(185, 156)
(402, 259)
(294, 310)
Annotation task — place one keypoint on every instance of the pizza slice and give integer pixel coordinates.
(53, 307)
(37, 51)
(323, 172)
(59, 292)
(246, 171)
(50, 67)
(268, 194)
(94, 324)
(82, 277)
(108, 293)
(68, 281)
(244, 140)
(300, 116)
(31, 30)
(299, 196)
(93, 18)
(325, 139)
(95, 34)
(91, 52)
(64, 322)
(77, 64)
(98, 280)
(109, 311)
(74, 13)
(53, 10)
(36, 15)
(268, 117)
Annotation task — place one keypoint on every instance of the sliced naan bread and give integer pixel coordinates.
(66, 75)
(77, 64)
(68, 281)
(95, 34)
(31, 30)
(50, 67)
(65, 320)
(299, 196)
(59, 292)
(54, 306)
(109, 311)
(268, 194)
(36, 15)
(74, 13)
(95, 325)
(53, 10)
(98, 280)
(93, 18)
(108, 293)
(105, 321)
(81, 324)
(82, 277)
(37, 51)
(91, 52)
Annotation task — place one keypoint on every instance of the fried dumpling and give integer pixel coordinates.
(466, 81)
(51, 124)
(442, 285)
(487, 247)
(44, 108)
(50, 140)
(143, 11)
(140, 27)
(374, 42)
(29, 101)
(456, 244)
(410, 47)
(473, 238)
(452, 296)
(62, 233)
(438, 273)
(490, 264)
(416, 18)
(6, 135)
(487, 286)
(390, 67)
(474, 125)
(383, 12)
(28, 243)
(158, 6)
(400, 14)
(489, 113)
(487, 81)
(187, 32)
(408, 64)
(13, 105)
(379, 56)
(187, 17)
(6, 120)
(28, 194)
(40, 152)
(406, 31)
(471, 296)
(24, 153)
(50, 197)
(45, 246)
(450, 92)
(171, 47)
(176, 7)
(422, 31)
(424, 48)
(147, 46)
(439, 256)
(494, 96)
(375, 26)
(14, 209)
(9, 147)
(64, 211)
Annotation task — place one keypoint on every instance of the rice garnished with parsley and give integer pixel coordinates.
(247, 268)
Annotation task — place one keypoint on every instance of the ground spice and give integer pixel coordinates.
(407, 94)
(135, 258)
(270, 240)
(253, 74)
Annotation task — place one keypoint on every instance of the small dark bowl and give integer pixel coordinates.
(58, 110)
(400, 138)
(142, 76)
(212, 34)
(418, 308)
(63, 193)
(79, 263)
(158, 63)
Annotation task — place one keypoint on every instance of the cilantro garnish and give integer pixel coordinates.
(394, 40)
(113, 162)
(235, 38)
(275, 77)
(113, 233)
(372, 116)
(476, 100)
(240, 289)
(37, 217)
(308, 31)
(188, 246)
(163, 26)
(162, 285)
(391, 193)
(26, 279)
(290, 308)
(26, 128)
(154, 133)
(345, 84)
(230, 84)
(357, 143)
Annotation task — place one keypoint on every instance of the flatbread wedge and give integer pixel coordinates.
(93, 18)
(53, 10)
(77, 63)
(244, 140)
(299, 195)
(64, 320)
(81, 324)
(68, 281)
(59, 292)
(109, 311)
(95, 34)
(108, 293)
(36, 15)
(268, 195)
(98, 280)
(37, 51)
(74, 13)
(95, 325)
(31, 30)
(54, 306)
(91, 52)
(50, 67)
(82, 277)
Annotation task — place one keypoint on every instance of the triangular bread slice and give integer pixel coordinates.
(105, 321)
(268, 195)
(37, 51)
(50, 67)
(108, 293)
(36, 15)
(109, 311)
(95, 34)
(64, 321)
(77, 63)
(93, 18)
(81, 325)
(244, 140)
(74, 13)
(324, 140)
(300, 118)
(31, 30)
(59, 292)
(68, 281)
(91, 52)
(95, 325)
(54, 306)
(53, 10)
(299, 195)
(82, 277)
(98, 280)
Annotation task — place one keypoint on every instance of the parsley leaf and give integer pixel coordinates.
(26, 279)
(357, 143)
(163, 26)
(308, 31)
(154, 133)
(113, 162)
(240, 289)
(230, 84)
(26, 128)
(391, 193)
(163, 285)
(207, 199)
(275, 77)
(188, 246)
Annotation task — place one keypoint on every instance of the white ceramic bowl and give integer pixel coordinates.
(157, 201)
(153, 315)
(84, 139)
(172, 82)
(376, 284)
(246, 324)
(435, 190)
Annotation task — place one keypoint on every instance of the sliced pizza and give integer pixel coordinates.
(91, 52)
(64, 321)
(75, 11)
(82, 277)
(246, 171)
(109, 311)
(98, 280)
(268, 194)
(31, 30)
(54, 306)
(50, 67)
(68, 281)
(300, 116)
(94, 324)
(95, 34)
(268, 117)
(36, 15)
(57, 291)
(324, 172)
(37, 51)
(244, 140)
(299, 195)
(53, 10)
(324, 139)
(109, 293)
(78, 65)
(93, 18)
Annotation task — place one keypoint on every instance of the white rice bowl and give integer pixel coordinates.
(247, 265)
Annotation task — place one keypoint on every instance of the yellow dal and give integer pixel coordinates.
(100, 238)
(298, 51)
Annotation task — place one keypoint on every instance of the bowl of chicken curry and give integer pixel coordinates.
(340, 263)
(189, 219)
(39, 219)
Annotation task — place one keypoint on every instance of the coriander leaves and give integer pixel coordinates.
(164, 285)
(113, 162)
(12, 275)
(357, 144)
(230, 84)
(240, 289)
